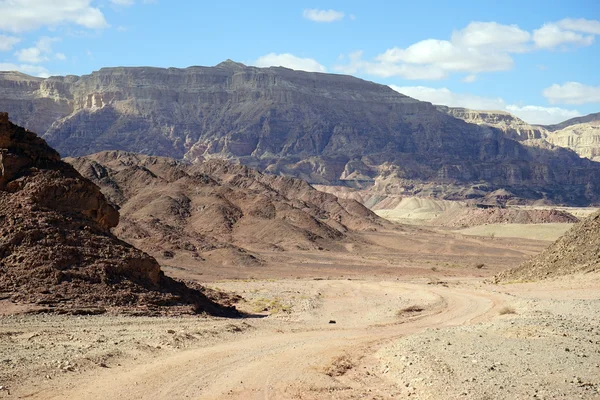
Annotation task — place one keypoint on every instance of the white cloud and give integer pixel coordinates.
(470, 78)
(542, 115)
(552, 35)
(477, 48)
(8, 42)
(289, 61)
(446, 97)
(39, 53)
(484, 34)
(580, 25)
(317, 15)
(448, 57)
(123, 2)
(60, 56)
(29, 15)
(480, 47)
(572, 93)
(36, 70)
(388, 69)
(531, 114)
(45, 43)
(31, 55)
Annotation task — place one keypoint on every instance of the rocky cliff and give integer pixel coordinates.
(583, 138)
(510, 125)
(323, 128)
(56, 248)
(573, 121)
(581, 134)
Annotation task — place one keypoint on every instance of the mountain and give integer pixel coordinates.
(595, 117)
(510, 125)
(583, 137)
(56, 249)
(216, 212)
(578, 251)
(323, 128)
(581, 134)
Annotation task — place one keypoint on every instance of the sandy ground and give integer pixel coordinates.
(528, 231)
(409, 316)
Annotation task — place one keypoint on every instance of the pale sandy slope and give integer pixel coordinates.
(548, 232)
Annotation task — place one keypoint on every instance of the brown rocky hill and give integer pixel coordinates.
(578, 251)
(56, 249)
(473, 216)
(323, 128)
(217, 212)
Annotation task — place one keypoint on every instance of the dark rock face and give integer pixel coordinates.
(56, 249)
(323, 128)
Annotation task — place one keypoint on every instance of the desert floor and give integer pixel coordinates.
(396, 314)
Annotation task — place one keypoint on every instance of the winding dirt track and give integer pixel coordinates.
(273, 363)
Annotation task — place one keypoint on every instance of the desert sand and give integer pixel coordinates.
(398, 314)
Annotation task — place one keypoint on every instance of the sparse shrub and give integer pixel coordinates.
(409, 310)
(339, 366)
(273, 306)
(434, 269)
(507, 310)
(480, 266)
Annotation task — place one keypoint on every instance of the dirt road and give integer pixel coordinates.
(287, 358)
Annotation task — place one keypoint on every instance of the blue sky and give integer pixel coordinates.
(536, 59)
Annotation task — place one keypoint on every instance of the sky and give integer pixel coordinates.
(538, 60)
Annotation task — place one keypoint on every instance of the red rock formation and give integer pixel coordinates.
(56, 248)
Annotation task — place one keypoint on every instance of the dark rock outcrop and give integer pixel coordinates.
(56, 248)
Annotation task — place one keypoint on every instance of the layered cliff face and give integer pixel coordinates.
(56, 247)
(582, 134)
(583, 138)
(511, 126)
(323, 128)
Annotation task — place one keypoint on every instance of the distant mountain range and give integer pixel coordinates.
(324, 128)
(581, 134)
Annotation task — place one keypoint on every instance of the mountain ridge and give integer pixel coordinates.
(324, 128)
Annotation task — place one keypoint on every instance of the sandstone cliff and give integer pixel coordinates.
(583, 138)
(581, 134)
(513, 127)
(56, 249)
(323, 128)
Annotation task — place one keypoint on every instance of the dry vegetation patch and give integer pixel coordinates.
(339, 365)
(507, 310)
(413, 309)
